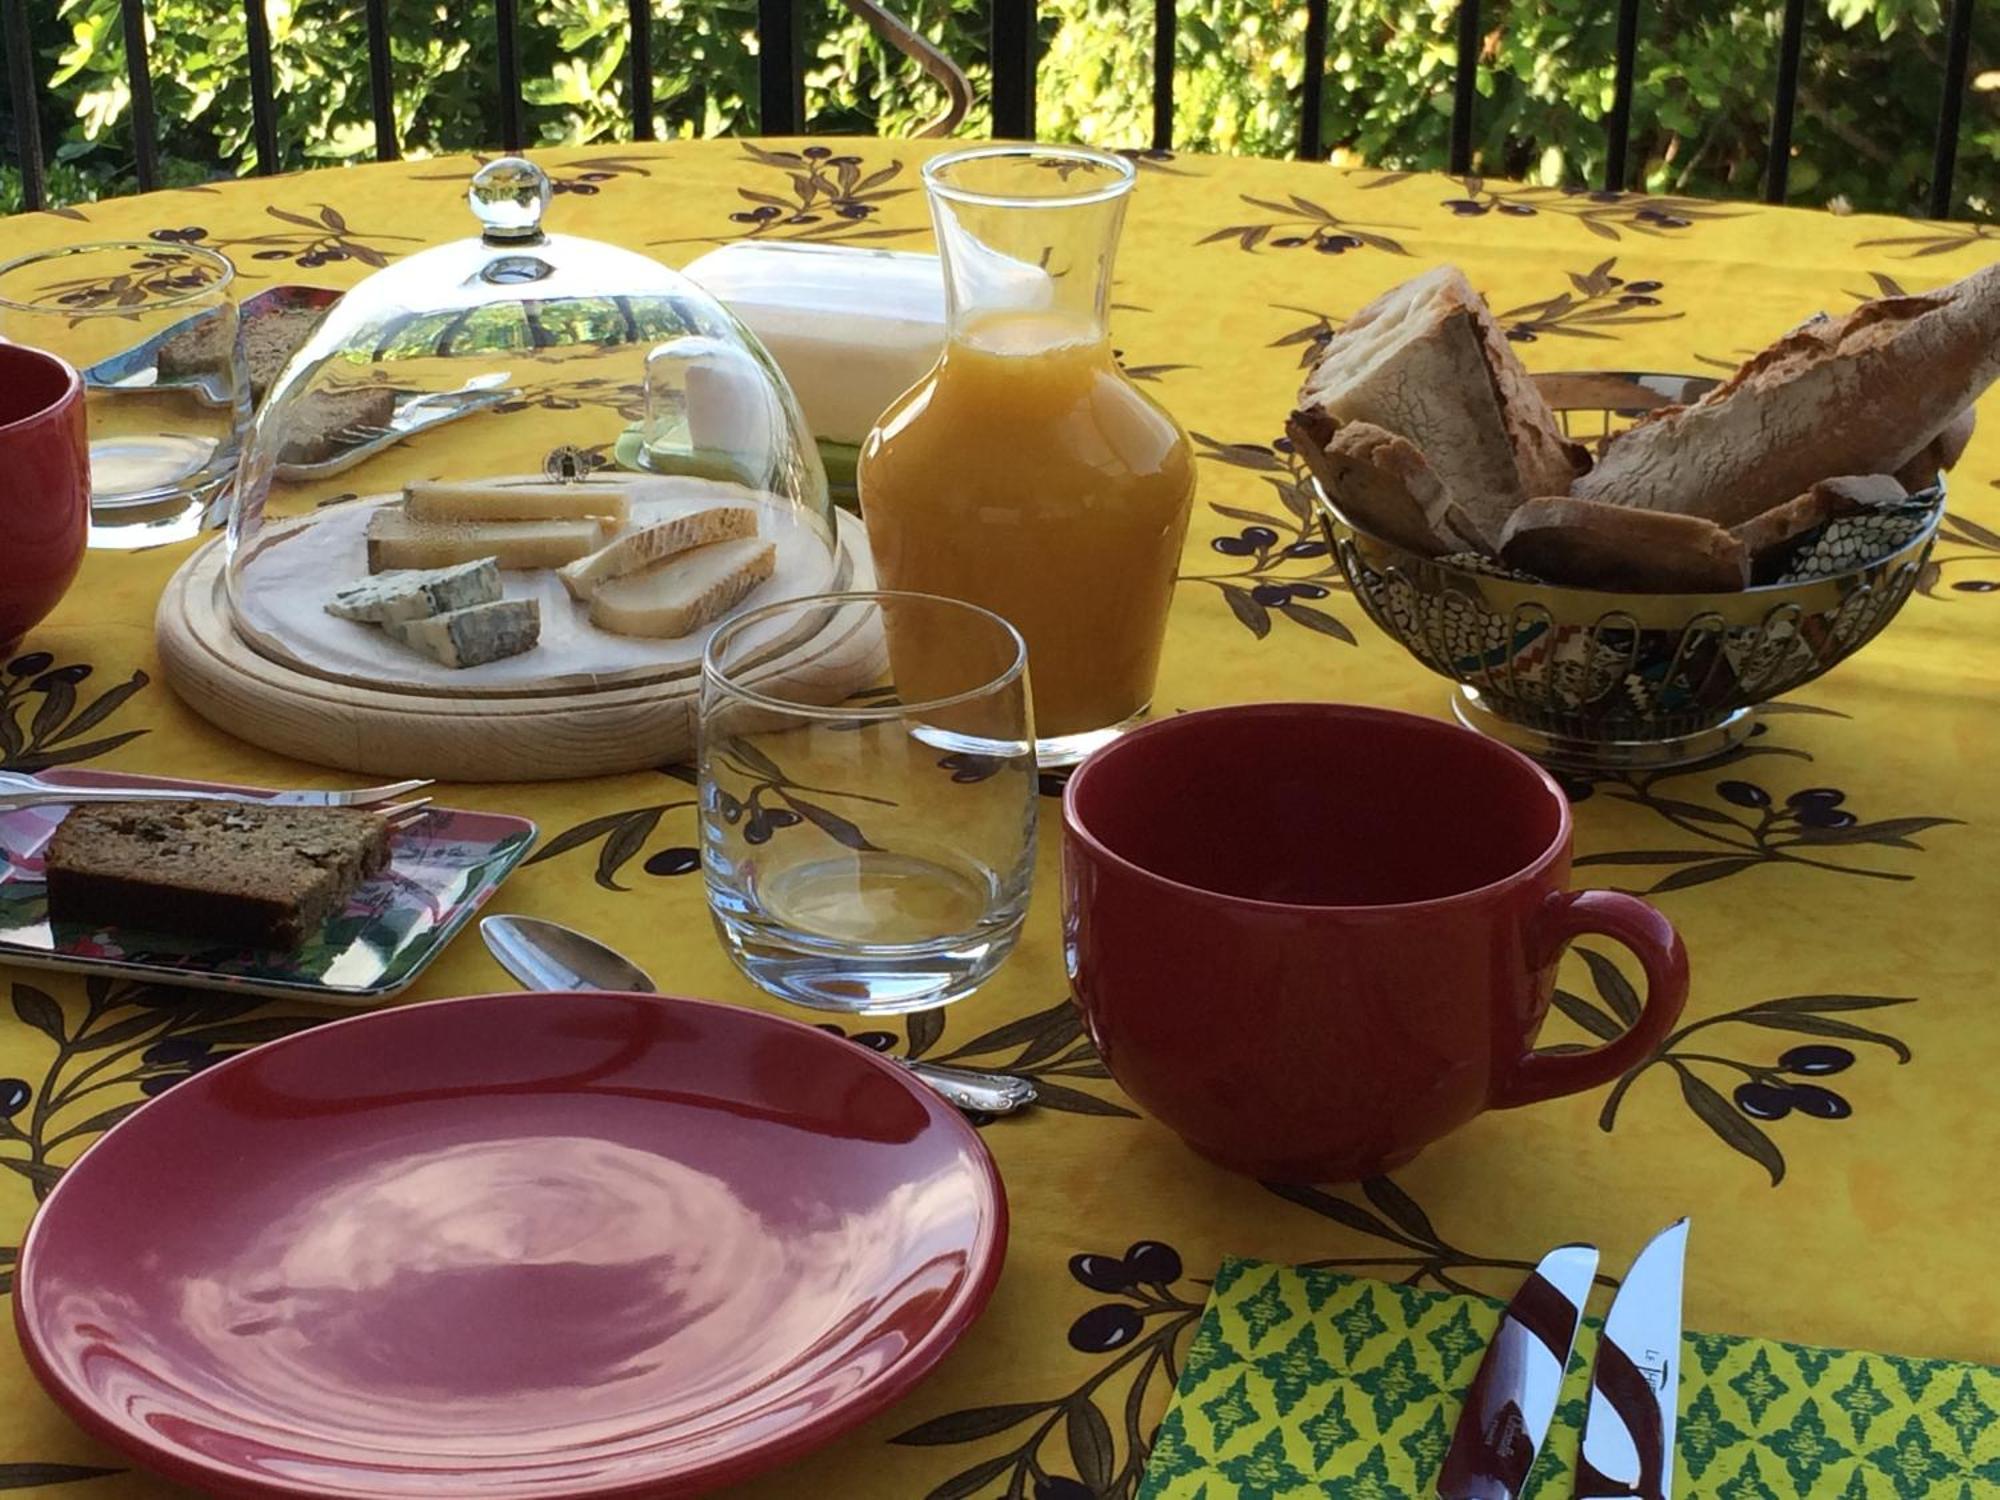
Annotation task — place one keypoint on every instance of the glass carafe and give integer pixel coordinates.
(1025, 473)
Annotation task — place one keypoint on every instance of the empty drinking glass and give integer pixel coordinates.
(153, 329)
(868, 835)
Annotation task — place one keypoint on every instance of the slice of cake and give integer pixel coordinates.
(236, 872)
(327, 423)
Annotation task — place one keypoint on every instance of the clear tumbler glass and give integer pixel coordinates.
(868, 848)
(153, 328)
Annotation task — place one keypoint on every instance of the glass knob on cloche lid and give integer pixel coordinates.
(509, 197)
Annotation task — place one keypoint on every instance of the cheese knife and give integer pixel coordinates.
(1628, 1432)
(1513, 1397)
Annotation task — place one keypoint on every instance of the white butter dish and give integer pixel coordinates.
(851, 328)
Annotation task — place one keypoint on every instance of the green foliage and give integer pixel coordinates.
(1868, 91)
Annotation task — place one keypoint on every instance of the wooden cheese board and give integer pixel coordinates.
(551, 736)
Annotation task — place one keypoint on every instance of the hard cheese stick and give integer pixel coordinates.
(413, 593)
(654, 544)
(438, 501)
(468, 637)
(679, 596)
(395, 540)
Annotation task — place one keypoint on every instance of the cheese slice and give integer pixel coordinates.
(682, 594)
(438, 501)
(395, 540)
(468, 637)
(653, 544)
(413, 593)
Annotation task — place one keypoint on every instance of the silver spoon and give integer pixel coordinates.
(543, 955)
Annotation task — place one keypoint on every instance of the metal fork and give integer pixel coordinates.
(18, 790)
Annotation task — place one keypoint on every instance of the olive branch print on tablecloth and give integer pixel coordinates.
(311, 243)
(1746, 826)
(1049, 1047)
(149, 277)
(50, 737)
(1285, 561)
(1092, 1442)
(1309, 338)
(134, 1040)
(832, 197)
(1596, 300)
(772, 803)
(33, 1476)
(1301, 224)
(586, 177)
(1938, 239)
(1758, 1092)
(1604, 214)
(1970, 543)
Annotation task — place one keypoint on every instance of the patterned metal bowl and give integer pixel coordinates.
(1594, 680)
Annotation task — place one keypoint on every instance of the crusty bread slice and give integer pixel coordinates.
(1774, 535)
(244, 873)
(1939, 454)
(1861, 394)
(1588, 544)
(1426, 362)
(1376, 480)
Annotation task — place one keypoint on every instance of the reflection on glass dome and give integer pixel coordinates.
(522, 463)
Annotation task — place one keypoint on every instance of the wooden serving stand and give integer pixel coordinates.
(546, 737)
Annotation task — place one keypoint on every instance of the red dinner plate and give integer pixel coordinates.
(522, 1245)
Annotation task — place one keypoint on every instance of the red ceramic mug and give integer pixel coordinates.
(1313, 938)
(44, 486)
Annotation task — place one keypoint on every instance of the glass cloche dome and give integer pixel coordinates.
(522, 463)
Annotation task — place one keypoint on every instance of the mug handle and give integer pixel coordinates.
(1653, 941)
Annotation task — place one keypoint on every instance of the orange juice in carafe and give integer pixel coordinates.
(1026, 473)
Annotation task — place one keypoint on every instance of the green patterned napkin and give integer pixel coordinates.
(1313, 1385)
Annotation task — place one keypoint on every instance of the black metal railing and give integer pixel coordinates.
(1012, 58)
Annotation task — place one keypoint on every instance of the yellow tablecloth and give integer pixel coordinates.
(1862, 1218)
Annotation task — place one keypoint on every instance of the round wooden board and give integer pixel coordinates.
(554, 737)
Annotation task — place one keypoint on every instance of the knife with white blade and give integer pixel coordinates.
(1513, 1396)
(1628, 1433)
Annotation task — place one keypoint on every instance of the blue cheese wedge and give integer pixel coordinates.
(417, 593)
(469, 637)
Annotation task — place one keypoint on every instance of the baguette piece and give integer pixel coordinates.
(396, 540)
(1376, 480)
(474, 636)
(684, 593)
(653, 544)
(1588, 544)
(436, 500)
(239, 873)
(1861, 394)
(1773, 536)
(1941, 453)
(1426, 362)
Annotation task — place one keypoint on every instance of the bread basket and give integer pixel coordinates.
(1594, 680)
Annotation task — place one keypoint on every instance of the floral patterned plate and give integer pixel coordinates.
(441, 869)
